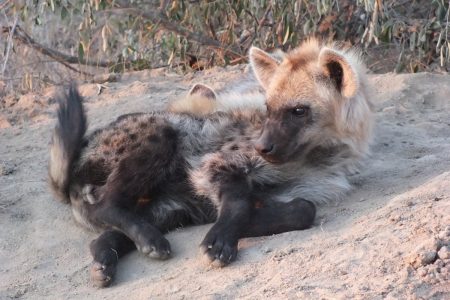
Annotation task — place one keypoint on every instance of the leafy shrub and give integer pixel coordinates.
(189, 34)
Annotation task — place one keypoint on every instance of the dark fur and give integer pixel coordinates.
(146, 174)
(68, 135)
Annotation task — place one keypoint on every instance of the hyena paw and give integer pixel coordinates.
(218, 249)
(155, 247)
(102, 275)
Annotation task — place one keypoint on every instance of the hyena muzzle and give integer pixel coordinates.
(248, 170)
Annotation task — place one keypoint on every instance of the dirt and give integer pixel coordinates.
(389, 239)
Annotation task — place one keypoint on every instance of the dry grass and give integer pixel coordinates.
(402, 36)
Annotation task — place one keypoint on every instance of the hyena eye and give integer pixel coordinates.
(300, 111)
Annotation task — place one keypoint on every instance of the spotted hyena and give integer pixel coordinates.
(254, 170)
(202, 100)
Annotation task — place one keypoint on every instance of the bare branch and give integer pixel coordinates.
(22, 36)
(4, 4)
(10, 40)
(60, 57)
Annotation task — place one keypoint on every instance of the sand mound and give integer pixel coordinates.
(389, 239)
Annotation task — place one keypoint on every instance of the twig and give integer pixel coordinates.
(263, 19)
(22, 36)
(373, 24)
(68, 66)
(62, 58)
(10, 40)
(4, 4)
(17, 67)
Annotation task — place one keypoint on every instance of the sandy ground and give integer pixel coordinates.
(389, 239)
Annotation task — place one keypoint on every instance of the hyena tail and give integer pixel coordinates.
(66, 142)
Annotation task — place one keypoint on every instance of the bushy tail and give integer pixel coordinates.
(66, 142)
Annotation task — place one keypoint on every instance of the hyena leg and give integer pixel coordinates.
(234, 213)
(278, 217)
(106, 251)
(238, 220)
(226, 179)
(148, 239)
(139, 174)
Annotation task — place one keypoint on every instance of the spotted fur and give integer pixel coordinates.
(251, 171)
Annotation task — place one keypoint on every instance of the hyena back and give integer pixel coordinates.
(245, 93)
(254, 172)
(202, 100)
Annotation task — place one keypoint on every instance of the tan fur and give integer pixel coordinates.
(57, 169)
(197, 105)
(204, 101)
(302, 78)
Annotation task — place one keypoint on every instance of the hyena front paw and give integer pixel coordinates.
(101, 274)
(154, 247)
(218, 248)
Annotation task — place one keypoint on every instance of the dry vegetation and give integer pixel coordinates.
(390, 239)
(51, 41)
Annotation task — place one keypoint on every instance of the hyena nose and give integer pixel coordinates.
(264, 148)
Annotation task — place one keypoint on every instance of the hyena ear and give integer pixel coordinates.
(263, 65)
(202, 90)
(339, 70)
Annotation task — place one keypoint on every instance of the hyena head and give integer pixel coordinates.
(315, 97)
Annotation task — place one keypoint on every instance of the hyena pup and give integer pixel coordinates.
(252, 171)
(202, 100)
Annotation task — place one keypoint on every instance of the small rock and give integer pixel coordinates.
(6, 169)
(422, 259)
(443, 235)
(267, 250)
(422, 272)
(429, 244)
(439, 263)
(444, 253)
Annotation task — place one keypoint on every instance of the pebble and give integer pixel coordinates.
(422, 259)
(6, 169)
(267, 250)
(443, 235)
(422, 272)
(439, 263)
(444, 253)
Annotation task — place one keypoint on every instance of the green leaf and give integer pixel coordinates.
(64, 13)
(80, 52)
(412, 41)
(286, 36)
